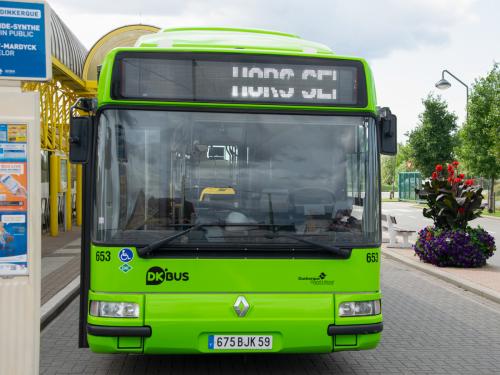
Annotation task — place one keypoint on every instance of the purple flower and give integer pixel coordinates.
(454, 247)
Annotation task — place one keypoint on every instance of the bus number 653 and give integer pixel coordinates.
(103, 256)
(372, 258)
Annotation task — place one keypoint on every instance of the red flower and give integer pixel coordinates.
(469, 182)
(461, 175)
(428, 236)
(450, 168)
(450, 180)
(434, 175)
(455, 163)
(461, 210)
(457, 180)
(439, 168)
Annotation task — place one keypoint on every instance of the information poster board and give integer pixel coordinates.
(24, 41)
(13, 199)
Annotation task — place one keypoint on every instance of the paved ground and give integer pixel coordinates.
(409, 216)
(60, 262)
(430, 327)
(483, 281)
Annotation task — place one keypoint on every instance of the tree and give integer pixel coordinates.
(480, 136)
(389, 171)
(392, 165)
(404, 158)
(433, 140)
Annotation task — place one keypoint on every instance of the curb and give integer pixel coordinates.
(490, 217)
(470, 286)
(53, 307)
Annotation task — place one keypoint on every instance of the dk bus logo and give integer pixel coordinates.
(158, 275)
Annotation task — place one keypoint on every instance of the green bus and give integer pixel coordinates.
(232, 196)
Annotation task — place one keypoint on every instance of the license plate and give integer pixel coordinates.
(247, 342)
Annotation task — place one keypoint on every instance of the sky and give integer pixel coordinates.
(407, 43)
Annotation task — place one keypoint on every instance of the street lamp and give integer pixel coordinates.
(444, 84)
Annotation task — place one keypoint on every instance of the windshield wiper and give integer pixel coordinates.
(342, 253)
(164, 241)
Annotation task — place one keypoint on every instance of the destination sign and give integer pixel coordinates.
(270, 80)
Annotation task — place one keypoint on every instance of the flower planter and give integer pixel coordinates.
(452, 202)
(454, 247)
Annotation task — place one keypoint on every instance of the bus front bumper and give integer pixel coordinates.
(333, 330)
(186, 324)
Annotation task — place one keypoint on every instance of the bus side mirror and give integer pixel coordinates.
(80, 133)
(388, 134)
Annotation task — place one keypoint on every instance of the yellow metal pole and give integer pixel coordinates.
(54, 190)
(69, 206)
(79, 195)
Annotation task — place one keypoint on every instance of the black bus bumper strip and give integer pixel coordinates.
(118, 331)
(360, 329)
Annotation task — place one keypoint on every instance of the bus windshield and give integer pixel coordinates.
(158, 172)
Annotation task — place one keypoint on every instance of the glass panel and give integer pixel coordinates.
(313, 176)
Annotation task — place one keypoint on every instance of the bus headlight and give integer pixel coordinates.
(359, 308)
(114, 309)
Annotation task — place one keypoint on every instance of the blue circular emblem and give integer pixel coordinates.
(126, 255)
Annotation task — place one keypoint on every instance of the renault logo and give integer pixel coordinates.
(241, 306)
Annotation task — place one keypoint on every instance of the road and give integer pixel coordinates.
(430, 327)
(409, 216)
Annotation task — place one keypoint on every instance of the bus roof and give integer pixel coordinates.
(231, 38)
(223, 40)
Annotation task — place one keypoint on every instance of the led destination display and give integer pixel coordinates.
(329, 82)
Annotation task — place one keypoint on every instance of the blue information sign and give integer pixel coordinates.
(13, 243)
(24, 47)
